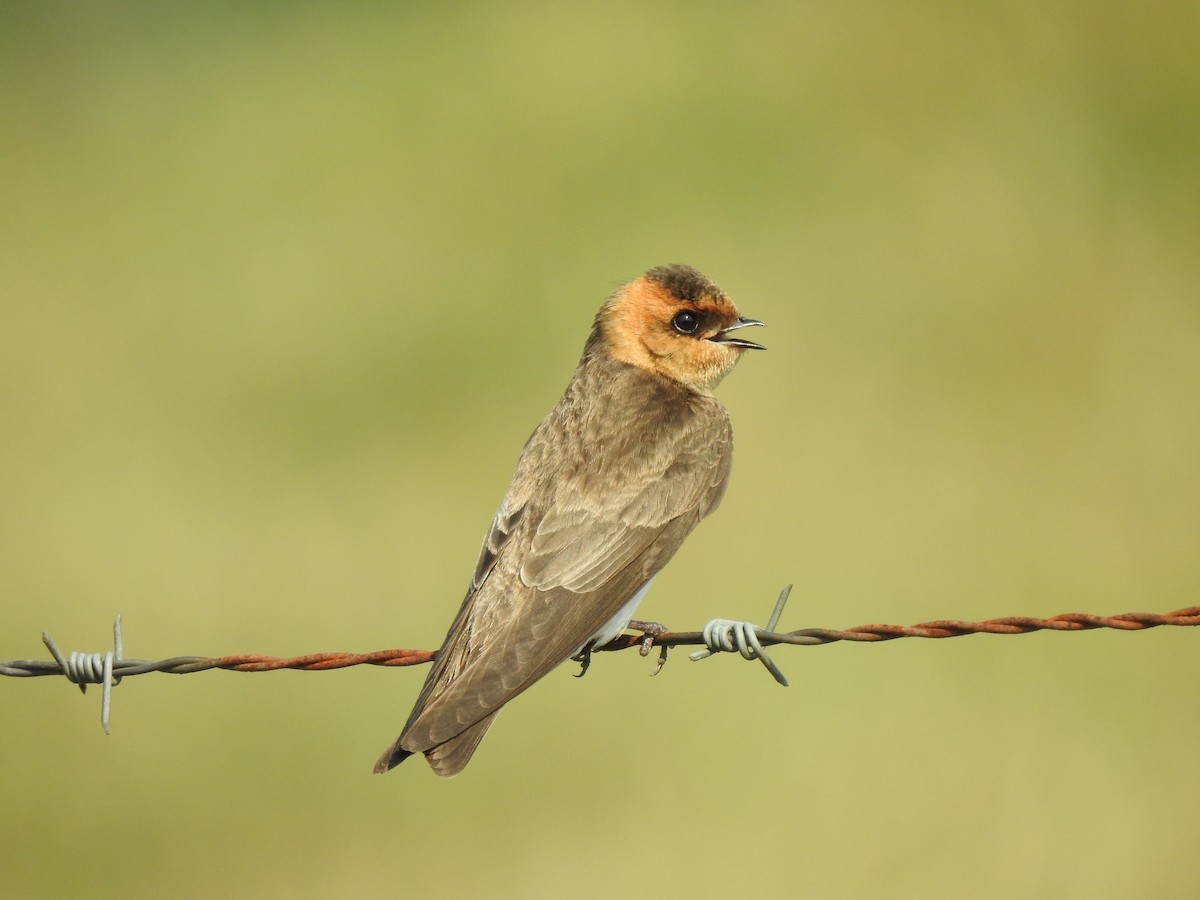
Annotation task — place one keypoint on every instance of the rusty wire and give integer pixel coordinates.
(109, 668)
(939, 628)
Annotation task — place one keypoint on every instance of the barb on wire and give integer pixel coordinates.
(107, 669)
(719, 635)
(722, 635)
(91, 668)
(726, 635)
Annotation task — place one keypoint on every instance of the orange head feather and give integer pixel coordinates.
(676, 323)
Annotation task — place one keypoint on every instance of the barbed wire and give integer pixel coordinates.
(719, 635)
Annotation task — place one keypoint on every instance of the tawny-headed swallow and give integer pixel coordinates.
(619, 472)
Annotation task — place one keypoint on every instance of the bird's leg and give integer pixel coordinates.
(650, 630)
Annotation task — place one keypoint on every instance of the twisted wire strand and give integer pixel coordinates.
(947, 628)
(319, 662)
(720, 635)
(185, 665)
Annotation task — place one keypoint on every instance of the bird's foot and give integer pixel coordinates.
(650, 631)
(584, 658)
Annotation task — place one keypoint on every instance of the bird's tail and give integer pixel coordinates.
(447, 758)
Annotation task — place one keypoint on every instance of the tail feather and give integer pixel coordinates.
(392, 757)
(447, 758)
(451, 757)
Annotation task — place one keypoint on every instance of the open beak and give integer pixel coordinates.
(722, 336)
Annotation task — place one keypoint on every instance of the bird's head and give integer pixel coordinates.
(676, 323)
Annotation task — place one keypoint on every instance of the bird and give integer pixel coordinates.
(635, 453)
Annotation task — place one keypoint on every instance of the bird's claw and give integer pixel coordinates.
(662, 660)
(584, 658)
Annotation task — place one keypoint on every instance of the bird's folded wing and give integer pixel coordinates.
(546, 584)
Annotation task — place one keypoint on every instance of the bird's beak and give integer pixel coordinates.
(722, 336)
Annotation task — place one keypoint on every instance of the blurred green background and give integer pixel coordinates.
(285, 288)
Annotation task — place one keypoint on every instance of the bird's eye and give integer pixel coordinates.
(686, 322)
